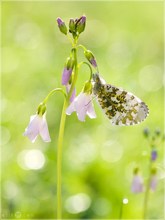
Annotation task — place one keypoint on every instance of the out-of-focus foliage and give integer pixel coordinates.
(98, 158)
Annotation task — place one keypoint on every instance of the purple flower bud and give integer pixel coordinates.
(62, 26)
(90, 57)
(93, 62)
(80, 24)
(66, 76)
(83, 19)
(67, 70)
(154, 155)
(59, 21)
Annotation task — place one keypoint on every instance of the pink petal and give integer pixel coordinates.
(71, 108)
(44, 132)
(91, 112)
(81, 106)
(32, 130)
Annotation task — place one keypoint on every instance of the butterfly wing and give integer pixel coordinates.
(121, 107)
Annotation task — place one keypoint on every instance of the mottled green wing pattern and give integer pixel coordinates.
(121, 107)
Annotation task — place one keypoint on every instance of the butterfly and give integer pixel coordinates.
(120, 106)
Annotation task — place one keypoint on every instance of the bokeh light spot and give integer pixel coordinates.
(151, 78)
(101, 207)
(5, 135)
(78, 203)
(31, 159)
(93, 35)
(125, 201)
(111, 151)
(119, 54)
(28, 35)
(10, 189)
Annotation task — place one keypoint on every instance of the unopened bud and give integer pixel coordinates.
(154, 155)
(90, 57)
(62, 26)
(146, 132)
(136, 170)
(72, 25)
(80, 24)
(87, 87)
(41, 109)
(69, 63)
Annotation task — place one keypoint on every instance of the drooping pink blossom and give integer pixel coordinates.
(37, 126)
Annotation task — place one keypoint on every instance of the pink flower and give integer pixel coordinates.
(154, 182)
(37, 125)
(82, 104)
(68, 86)
(137, 184)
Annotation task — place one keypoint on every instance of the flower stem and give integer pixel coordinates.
(52, 92)
(146, 195)
(60, 140)
(59, 161)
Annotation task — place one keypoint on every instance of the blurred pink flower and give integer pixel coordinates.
(153, 182)
(137, 184)
(83, 105)
(37, 125)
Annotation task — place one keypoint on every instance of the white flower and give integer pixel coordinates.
(82, 104)
(37, 125)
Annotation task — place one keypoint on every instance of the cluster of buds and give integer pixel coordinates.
(137, 182)
(76, 26)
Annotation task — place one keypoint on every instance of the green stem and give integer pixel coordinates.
(59, 160)
(146, 195)
(60, 139)
(51, 93)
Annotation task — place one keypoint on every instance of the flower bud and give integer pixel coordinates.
(41, 109)
(136, 170)
(146, 132)
(67, 70)
(154, 155)
(88, 87)
(90, 57)
(80, 24)
(157, 131)
(62, 26)
(72, 26)
(69, 63)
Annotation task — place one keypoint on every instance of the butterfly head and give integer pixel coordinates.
(96, 78)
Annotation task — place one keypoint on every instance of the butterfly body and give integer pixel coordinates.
(120, 106)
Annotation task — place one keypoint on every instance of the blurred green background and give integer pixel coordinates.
(98, 158)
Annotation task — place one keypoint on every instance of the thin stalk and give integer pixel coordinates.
(59, 161)
(146, 195)
(60, 138)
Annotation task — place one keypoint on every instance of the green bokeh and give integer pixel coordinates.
(98, 158)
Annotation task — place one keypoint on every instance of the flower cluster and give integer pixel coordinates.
(82, 103)
(138, 182)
